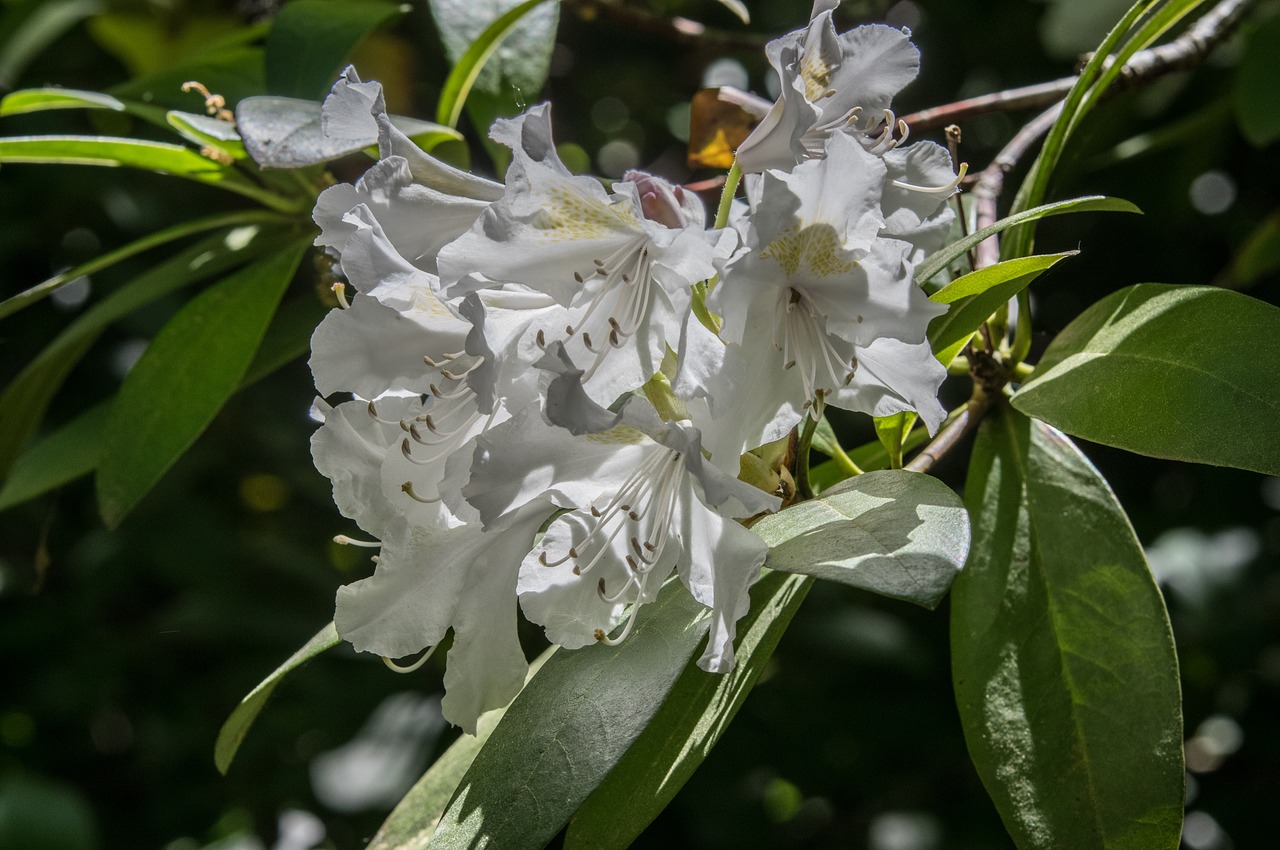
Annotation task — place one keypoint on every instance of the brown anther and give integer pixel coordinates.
(541, 339)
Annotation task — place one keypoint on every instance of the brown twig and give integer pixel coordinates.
(1010, 100)
(679, 30)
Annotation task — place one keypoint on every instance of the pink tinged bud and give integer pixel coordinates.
(659, 200)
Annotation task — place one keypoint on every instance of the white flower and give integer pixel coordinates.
(830, 83)
(620, 265)
(817, 301)
(643, 503)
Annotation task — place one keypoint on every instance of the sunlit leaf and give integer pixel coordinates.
(39, 100)
(568, 728)
(413, 821)
(975, 296)
(310, 41)
(492, 23)
(900, 534)
(188, 371)
(957, 249)
(205, 130)
(1063, 660)
(237, 725)
(691, 722)
(1184, 372)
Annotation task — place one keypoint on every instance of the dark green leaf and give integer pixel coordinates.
(38, 100)
(688, 725)
(233, 72)
(310, 41)
(957, 249)
(568, 729)
(25, 400)
(1184, 372)
(413, 821)
(41, 290)
(237, 725)
(1063, 659)
(494, 45)
(975, 296)
(288, 336)
(1257, 81)
(186, 375)
(899, 534)
(65, 455)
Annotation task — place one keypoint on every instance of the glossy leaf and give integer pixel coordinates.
(186, 375)
(310, 41)
(1183, 372)
(110, 151)
(976, 296)
(1063, 660)
(285, 132)
(207, 131)
(39, 100)
(413, 821)
(688, 725)
(957, 249)
(237, 725)
(568, 728)
(24, 401)
(899, 534)
(64, 455)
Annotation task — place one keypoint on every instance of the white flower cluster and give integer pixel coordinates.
(501, 334)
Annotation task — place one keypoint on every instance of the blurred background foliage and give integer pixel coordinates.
(124, 651)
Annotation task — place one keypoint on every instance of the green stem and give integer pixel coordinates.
(1022, 372)
(803, 485)
(731, 181)
(41, 290)
(843, 460)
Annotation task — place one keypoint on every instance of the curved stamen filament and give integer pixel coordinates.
(407, 487)
(344, 540)
(935, 190)
(409, 668)
(807, 347)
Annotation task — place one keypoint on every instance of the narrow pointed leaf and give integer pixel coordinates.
(237, 725)
(413, 821)
(688, 725)
(206, 131)
(957, 249)
(110, 151)
(896, 533)
(1063, 661)
(186, 375)
(39, 100)
(25, 400)
(567, 730)
(1184, 372)
(977, 295)
(65, 455)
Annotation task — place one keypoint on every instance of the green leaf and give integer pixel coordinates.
(977, 295)
(25, 400)
(206, 131)
(65, 455)
(39, 100)
(900, 534)
(891, 431)
(957, 249)
(1063, 661)
(687, 726)
(235, 72)
(30, 296)
(110, 151)
(237, 725)
(413, 821)
(186, 375)
(568, 728)
(44, 24)
(1183, 372)
(288, 337)
(476, 31)
(310, 41)
(147, 43)
(1257, 81)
